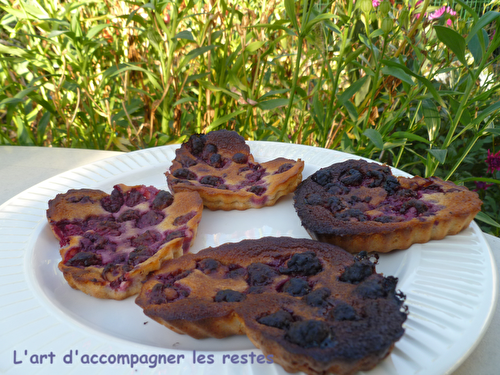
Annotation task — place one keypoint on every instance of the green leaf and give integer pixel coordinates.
(351, 109)
(290, 11)
(42, 126)
(185, 34)
(96, 30)
(410, 136)
(486, 112)
(440, 155)
(476, 47)
(184, 100)
(374, 136)
(194, 54)
(432, 118)
(252, 47)
(398, 73)
(362, 92)
(213, 88)
(273, 92)
(14, 51)
(272, 104)
(315, 20)
(453, 41)
(492, 130)
(351, 90)
(481, 216)
(224, 119)
(486, 19)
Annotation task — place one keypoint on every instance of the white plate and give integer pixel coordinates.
(450, 286)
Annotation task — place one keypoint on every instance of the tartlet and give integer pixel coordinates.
(360, 205)
(111, 242)
(308, 305)
(219, 166)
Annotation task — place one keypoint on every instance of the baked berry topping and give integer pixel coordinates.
(113, 272)
(377, 288)
(181, 220)
(280, 319)
(335, 204)
(113, 202)
(315, 199)
(129, 215)
(150, 218)
(418, 205)
(308, 333)
(318, 297)
(82, 199)
(296, 287)
(106, 225)
(358, 271)
(184, 174)
(229, 295)
(322, 177)
(139, 255)
(216, 161)
(187, 162)
(336, 188)
(384, 219)
(257, 190)
(195, 144)
(352, 177)
(134, 197)
(147, 238)
(240, 158)
(84, 259)
(260, 274)
(378, 178)
(343, 311)
(236, 273)
(211, 180)
(209, 149)
(284, 168)
(162, 200)
(391, 185)
(174, 234)
(157, 297)
(208, 265)
(406, 193)
(306, 264)
(351, 214)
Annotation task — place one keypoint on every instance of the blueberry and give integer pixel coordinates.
(318, 297)
(211, 180)
(184, 174)
(147, 238)
(195, 144)
(342, 312)
(283, 168)
(175, 234)
(391, 185)
(240, 158)
(134, 197)
(162, 200)
(308, 333)
(139, 255)
(150, 218)
(84, 259)
(353, 177)
(296, 287)
(257, 190)
(112, 203)
(208, 265)
(260, 274)
(229, 295)
(305, 264)
(236, 273)
(181, 220)
(128, 215)
(322, 177)
(418, 205)
(357, 272)
(280, 319)
(216, 161)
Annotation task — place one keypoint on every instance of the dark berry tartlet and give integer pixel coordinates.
(113, 241)
(359, 206)
(313, 306)
(220, 167)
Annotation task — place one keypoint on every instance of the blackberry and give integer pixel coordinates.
(318, 297)
(322, 177)
(260, 274)
(353, 177)
(357, 272)
(211, 180)
(128, 215)
(162, 200)
(257, 190)
(216, 161)
(134, 197)
(342, 312)
(229, 295)
(296, 287)
(280, 319)
(306, 264)
(112, 203)
(208, 265)
(308, 333)
(150, 218)
(184, 174)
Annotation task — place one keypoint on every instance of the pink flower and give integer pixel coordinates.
(480, 185)
(441, 11)
(376, 3)
(493, 161)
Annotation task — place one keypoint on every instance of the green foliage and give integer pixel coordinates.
(390, 83)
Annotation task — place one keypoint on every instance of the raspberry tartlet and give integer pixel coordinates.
(360, 205)
(312, 306)
(111, 242)
(219, 166)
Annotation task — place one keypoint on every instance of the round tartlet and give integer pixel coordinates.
(220, 167)
(359, 205)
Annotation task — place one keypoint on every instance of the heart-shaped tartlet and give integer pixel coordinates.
(112, 242)
(220, 167)
(359, 205)
(308, 305)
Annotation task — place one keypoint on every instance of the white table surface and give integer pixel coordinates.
(23, 167)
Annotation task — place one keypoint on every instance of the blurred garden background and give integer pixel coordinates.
(410, 83)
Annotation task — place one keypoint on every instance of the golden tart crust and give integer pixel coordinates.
(359, 205)
(111, 242)
(220, 167)
(312, 306)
